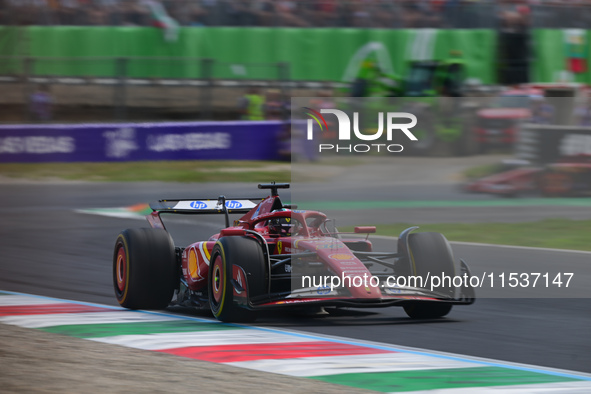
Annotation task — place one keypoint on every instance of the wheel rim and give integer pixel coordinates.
(121, 269)
(217, 280)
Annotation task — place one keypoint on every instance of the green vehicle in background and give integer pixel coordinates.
(432, 91)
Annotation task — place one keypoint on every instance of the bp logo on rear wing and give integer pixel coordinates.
(211, 206)
(201, 206)
(215, 204)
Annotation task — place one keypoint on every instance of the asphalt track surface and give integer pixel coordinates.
(49, 249)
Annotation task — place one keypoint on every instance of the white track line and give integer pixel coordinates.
(386, 237)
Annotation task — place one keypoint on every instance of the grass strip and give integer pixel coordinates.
(548, 233)
(147, 171)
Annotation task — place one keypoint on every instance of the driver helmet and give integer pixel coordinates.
(281, 226)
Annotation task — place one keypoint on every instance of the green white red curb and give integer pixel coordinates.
(361, 364)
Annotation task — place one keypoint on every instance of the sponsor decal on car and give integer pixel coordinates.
(256, 213)
(232, 204)
(198, 205)
(194, 269)
(341, 256)
(323, 290)
(330, 245)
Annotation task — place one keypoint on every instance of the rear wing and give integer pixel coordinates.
(220, 205)
(211, 205)
(206, 206)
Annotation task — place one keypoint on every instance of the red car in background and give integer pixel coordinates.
(510, 178)
(497, 125)
(569, 176)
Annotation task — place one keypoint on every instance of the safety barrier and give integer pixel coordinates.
(236, 53)
(143, 141)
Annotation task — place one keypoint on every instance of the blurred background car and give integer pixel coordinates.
(497, 124)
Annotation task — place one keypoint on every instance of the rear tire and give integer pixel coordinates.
(144, 268)
(430, 255)
(246, 253)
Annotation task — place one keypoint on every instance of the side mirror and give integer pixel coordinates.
(365, 229)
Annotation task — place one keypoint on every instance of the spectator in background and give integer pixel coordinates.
(186, 13)
(27, 12)
(105, 11)
(68, 12)
(411, 15)
(40, 104)
(212, 12)
(239, 13)
(287, 14)
(252, 105)
(133, 14)
(263, 12)
(386, 15)
(514, 19)
(323, 13)
(359, 14)
(93, 15)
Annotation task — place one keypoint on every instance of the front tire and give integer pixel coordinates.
(144, 268)
(430, 255)
(427, 310)
(245, 252)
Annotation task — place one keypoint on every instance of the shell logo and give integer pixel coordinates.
(193, 265)
(341, 256)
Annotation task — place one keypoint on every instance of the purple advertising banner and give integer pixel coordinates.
(240, 140)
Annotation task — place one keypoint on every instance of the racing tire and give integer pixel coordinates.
(144, 268)
(428, 310)
(246, 253)
(430, 254)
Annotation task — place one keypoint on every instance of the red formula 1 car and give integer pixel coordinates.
(569, 176)
(276, 256)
